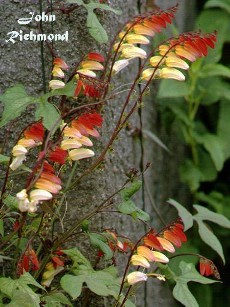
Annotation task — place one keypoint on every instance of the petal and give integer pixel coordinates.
(166, 245)
(70, 144)
(140, 261)
(170, 236)
(50, 177)
(136, 39)
(85, 141)
(56, 84)
(152, 241)
(47, 185)
(40, 194)
(27, 142)
(57, 72)
(17, 161)
(133, 52)
(145, 252)
(141, 29)
(185, 54)
(19, 150)
(119, 65)
(72, 132)
(159, 257)
(163, 49)
(92, 65)
(60, 63)
(136, 277)
(80, 153)
(156, 60)
(22, 194)
(35, 131)
(149, 73)
(96, 57)
(176, 62)
(87, 72)
(171, 73)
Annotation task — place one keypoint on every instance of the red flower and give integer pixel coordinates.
(28, 262)
(208, 268)
(35, 131)
(151, 241)
(58, 155)
(94, 56)
(91, 120)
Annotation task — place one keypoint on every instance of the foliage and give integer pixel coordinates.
(47, 268)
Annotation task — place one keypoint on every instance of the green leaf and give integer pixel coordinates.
(181, 291)
(190, 174)
(223, 4)
(99, 241)
(172, 89)
(210, 70)
(141, 215)
(135, 186)
(94, 5)
(2, 227)
(4, 159)
(209, 238)
(72, 285)
(155, 138)
(184, 214)
(56, 300)
(67, 90)
(95, 28)
(11, 201)
(8, 286)
(223, 129)
(127, 207)
(49, 113)
(213, 145)
(77, 257)
(15, 101)
(206, 214)
(22, 298)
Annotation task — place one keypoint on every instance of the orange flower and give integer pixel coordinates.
(28, 262)
(207, 268)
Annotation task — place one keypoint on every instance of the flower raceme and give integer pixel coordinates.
(175, 55)
(153, 246)
(135, 32)
(76, 135)
(32, 137)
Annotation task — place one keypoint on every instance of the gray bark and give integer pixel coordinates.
(21, 63)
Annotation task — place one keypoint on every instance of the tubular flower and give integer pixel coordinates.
(85, 76)
(32, 136)
(59, 66)
(56, 84)
(176, 53)
(207, 268)
(136, 277)
(28, 262)
(76, 134)
(140, 261)
(57, 155)
(135, 32)
(46, 185)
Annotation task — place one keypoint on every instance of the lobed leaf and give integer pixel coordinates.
(184, 214)
(56, 300)
(223, 4)
(72, 285)
(48, 113)
(209, 238)
(206, 214)
(15, 101)
(213, 69)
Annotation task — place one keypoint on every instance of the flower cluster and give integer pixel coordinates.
(54, 267)
(46, 184)
(136, 32)
(76, 135)
(32, 136)
(59, 66)
(87, 84)
(176, 53)
(151, 250)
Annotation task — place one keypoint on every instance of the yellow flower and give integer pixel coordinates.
(70, 144)
(179, 50)
(87, 72)
(133, 52)
(56, 84)
(145, 252)
(171, 73)
(166, 244)
(147, 73)
(136, 39)
(141, 29)
(19, 150)
(80, 153)
(155, 60)
(92, 65)
(57, 72)
(140, 260)
(159, 257)
(163, 49)
(173, 61)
